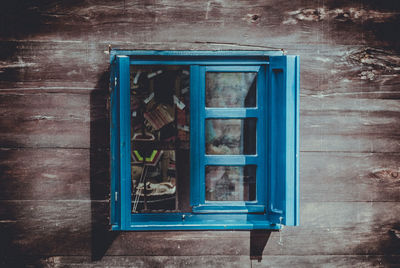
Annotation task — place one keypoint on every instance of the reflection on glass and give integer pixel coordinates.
(231, 89)
(231, 183)
(159, 131)
(231, 136)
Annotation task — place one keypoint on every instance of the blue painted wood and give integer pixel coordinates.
(114, 149)
(242, 68)
(197, 53)
(226, 113)
(283, 142)
(262, 134)
(297, 144)
(201, 134)
(277, 142)
(125, 139)
(194, 135)
(230, 160)
(196, 60)
(231, 112)
(200, 221)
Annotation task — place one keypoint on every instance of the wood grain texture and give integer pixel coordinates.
(64, 174)
(65, 120)
(54, 129)
(54, 174)
(33, 228)
(349, 177)
(334, 70)
(298, 21)
(210, 261)
(349, 124)
(53, 120)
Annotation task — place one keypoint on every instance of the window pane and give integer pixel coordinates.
(159, 135)
(231, 183)
(231, 89)
(231, 136)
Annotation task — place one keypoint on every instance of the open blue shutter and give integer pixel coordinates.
(283, 103)
(120, 143)
(114, 149)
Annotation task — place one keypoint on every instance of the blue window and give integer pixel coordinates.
(204, 140)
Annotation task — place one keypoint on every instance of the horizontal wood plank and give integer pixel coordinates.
(79, 120)
(54, 120)
(349, 124)
(82, 174)
(54, 174)
(335, 70)
(257, 22)
(53, 102)
(349, 177)
(34, 228)
(366, 261)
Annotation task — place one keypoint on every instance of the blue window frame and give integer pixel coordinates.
(263, 158)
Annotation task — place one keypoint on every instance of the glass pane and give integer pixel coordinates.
(231, 136)
(159, 135)
(231, 89)
(231, 183)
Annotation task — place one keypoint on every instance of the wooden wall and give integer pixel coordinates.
(54, 181)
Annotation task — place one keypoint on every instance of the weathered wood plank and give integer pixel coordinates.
(349, 177)
(349, 124)
(35, 228)
(44, 62)
(348, 70)
(54, 174)
(365, 261)
(349, 103)
(256, 22)
(75, 120)
(54, 120)
(78, 174)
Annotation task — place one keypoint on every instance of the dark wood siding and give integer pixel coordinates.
(54, 181)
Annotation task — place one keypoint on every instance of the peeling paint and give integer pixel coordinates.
(73, 72)
(376, 58)
(338, 14)
(376, 62)
(386, 175)
(208, 9)
(40, 117)
(290, 21)
(7, 221)
(323, 59)
(367, 75)
(50, 176)
(309, 14)
(20, 63)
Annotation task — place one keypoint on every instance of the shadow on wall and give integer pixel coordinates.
(21, 19)
(33, 230)
(101, 236)
(258, 241)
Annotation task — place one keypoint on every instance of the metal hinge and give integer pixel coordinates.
(115, 82)
(116, 196)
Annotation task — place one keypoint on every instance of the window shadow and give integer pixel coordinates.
(101, 236)
(258, 241)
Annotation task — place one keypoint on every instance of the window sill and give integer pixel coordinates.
(187, 221)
